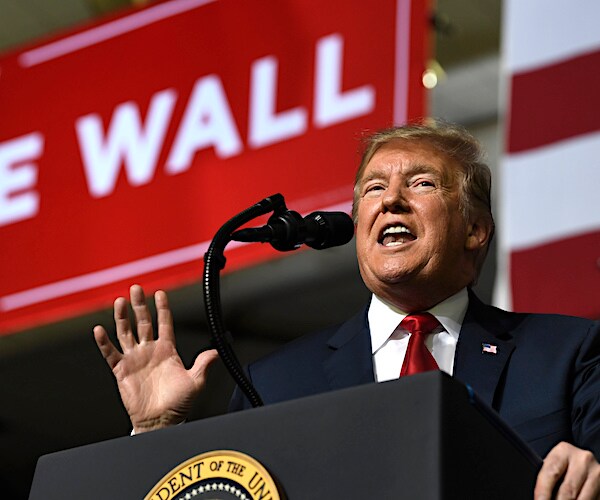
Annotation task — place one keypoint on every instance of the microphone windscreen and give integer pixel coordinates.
(328, 229)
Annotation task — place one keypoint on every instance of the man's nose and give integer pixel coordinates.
(394, 200)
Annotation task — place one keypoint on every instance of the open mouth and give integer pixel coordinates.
(396, 235)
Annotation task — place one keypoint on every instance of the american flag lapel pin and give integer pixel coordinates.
(489, 348)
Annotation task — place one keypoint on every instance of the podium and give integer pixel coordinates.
(420, 437)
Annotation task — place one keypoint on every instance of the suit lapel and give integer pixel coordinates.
(472, 364)
(350, 362)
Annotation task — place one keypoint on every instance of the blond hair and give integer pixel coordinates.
(458, 145)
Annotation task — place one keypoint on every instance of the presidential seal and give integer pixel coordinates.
(217, 475)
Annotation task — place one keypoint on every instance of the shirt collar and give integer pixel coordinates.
(383, 317)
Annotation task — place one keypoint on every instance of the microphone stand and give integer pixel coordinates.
(214, 262)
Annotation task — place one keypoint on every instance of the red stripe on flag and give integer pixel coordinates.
(555, 102)
(562, 277)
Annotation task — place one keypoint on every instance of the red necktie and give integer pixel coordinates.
(418, 358)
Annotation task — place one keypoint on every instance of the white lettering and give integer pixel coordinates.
(127, 141)
(207, 121)
(331, 104)
(18, 201)
(266, 127)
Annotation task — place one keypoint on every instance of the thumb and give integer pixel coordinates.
(201, 365)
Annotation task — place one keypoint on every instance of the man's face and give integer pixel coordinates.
(411, 236)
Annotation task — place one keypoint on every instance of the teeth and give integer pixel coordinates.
(396, 235)
(396, 230)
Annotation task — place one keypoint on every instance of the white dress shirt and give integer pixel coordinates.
(389, 345)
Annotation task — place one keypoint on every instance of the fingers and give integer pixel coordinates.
(143, 318)
(108, 350)
(202, 364)
(164, 317)
(581, 480)
(124, 332)
(591, 488)
(554, 466)
(578, 469)
(142, 314)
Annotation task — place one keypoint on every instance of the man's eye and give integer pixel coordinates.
(424, 183)
(374, 187)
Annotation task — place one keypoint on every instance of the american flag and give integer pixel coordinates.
(549, 217)
(490, 348)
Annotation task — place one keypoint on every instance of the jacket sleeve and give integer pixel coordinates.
(585, 412)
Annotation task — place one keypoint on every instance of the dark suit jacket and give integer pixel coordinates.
(544, 380)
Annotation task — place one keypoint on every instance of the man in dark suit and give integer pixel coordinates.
(546, 395)
(423, 226)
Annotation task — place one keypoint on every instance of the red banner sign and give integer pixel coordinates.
(124, 146)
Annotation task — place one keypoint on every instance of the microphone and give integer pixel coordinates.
(288, 230)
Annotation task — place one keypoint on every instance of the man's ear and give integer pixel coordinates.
(479, 233)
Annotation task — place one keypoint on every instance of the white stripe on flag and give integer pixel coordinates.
(551, 193)
(562, 29)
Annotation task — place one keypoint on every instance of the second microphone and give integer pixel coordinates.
(289, 230)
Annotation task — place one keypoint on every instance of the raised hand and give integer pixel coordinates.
(156, 389)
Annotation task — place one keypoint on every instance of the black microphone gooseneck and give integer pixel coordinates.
(285, 230)
(214, 261)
